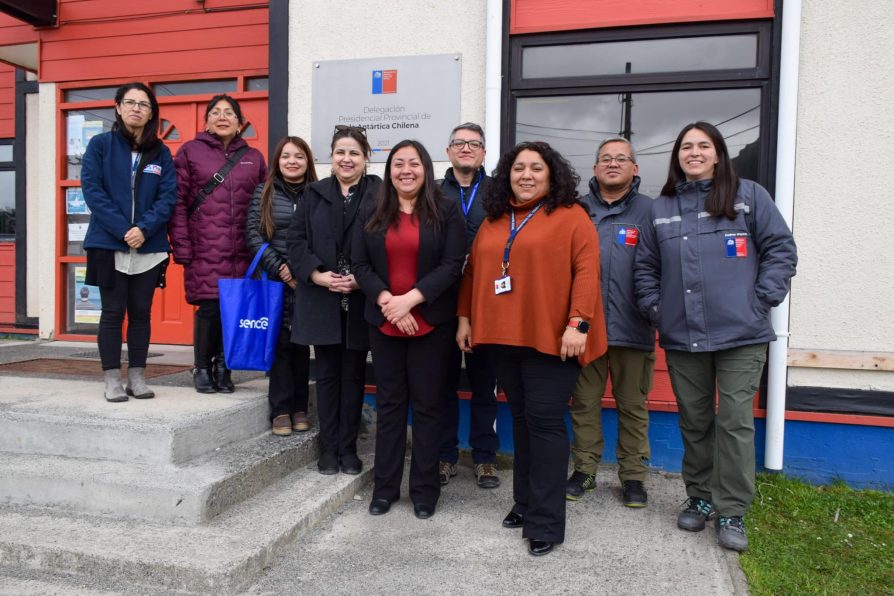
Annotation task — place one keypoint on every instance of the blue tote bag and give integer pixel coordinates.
(250, 314)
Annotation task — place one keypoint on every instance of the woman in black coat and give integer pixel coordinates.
(408, 256)
(269, 215)
(328, 304)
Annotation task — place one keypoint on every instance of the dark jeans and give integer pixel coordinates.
(538, 387)
(409, 372)
(340, 378)
(131, 294)
(288, 391)
(482, 408)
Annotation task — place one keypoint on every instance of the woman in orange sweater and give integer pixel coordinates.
(540, 320)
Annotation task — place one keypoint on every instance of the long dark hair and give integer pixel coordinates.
(563, 180)
(149, 137)
(722, 197)
(387, 211)
(267, 226)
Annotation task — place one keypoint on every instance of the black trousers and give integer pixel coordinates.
(208, 333)
(340, 378)
(289, 375)
(482, 408)
(130, 294)
(538, 387)
(409, 372)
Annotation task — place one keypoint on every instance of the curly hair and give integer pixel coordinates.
(563, 180)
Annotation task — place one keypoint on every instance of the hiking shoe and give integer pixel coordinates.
(731, 532)
(634, 494)
(577, 484)
(300, 422)
(282, 425)
(446, 471)
(487, 476)
(697, 512)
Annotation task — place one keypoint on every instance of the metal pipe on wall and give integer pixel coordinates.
(786, 144)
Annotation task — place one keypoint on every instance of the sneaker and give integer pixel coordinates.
(282, 425)
(487, 475)
(697, 512)
(577, 484)
(300, 422)
(731, 532)
(634, 494)
(446, 471)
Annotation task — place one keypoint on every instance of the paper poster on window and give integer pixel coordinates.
(87, 305)
(75, 140)
(90, 129)
(75, 203)
(77, 232)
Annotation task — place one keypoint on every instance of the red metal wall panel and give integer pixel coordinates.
(7, 101)
(13, 31)
(534, 16)
(110, 39)
(7, 283)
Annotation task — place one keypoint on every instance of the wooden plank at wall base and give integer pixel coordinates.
(841, 359)
(535, 16)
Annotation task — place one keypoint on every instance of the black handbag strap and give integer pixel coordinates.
(216, 180)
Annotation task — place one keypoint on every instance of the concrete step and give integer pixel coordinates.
(173, 428)
(220, 557)
(189, 494)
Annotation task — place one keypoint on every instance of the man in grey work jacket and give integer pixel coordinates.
(467, 184)
(619, 212)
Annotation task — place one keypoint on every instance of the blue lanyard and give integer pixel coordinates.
(513, 232)
(462, 196)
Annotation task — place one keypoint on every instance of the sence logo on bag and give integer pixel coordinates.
(384, 81)
(253, 323)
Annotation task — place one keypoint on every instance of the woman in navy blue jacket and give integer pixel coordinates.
(129, 184)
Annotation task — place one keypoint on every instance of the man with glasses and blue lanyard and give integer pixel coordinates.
(467, 183)
(619, 212)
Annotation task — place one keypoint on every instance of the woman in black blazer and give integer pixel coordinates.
(328, 310)
(407, 257)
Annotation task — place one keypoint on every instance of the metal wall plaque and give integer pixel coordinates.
(397, 98)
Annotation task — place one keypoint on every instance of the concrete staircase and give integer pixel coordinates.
(183, 492)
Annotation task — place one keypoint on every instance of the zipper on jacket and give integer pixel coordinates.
(133, 192)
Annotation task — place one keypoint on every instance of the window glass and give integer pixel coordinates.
(195, 88)
(81, 126)
(576, 124)
(83, 305)
(258, 84)
(5, 152)
(680, 54)
(7, 202)
(97, 93)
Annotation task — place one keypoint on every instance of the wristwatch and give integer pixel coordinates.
(581, 326)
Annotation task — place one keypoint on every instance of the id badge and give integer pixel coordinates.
(502, 285)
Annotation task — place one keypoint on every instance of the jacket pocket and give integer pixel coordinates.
(647, 376)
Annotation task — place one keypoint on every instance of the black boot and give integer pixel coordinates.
(222, 375)
(203, 380)
(203, 347)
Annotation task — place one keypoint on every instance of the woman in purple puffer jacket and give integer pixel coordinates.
(209, 241)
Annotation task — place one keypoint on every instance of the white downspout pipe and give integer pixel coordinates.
(786, 144)
(493, 81)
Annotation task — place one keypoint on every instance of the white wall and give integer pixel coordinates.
(322, 30)
(843, 294)
(46, 200)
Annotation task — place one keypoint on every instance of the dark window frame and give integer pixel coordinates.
(768, 32)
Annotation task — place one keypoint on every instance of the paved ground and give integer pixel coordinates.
(609, 549)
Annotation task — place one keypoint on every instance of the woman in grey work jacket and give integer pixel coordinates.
(716, 257)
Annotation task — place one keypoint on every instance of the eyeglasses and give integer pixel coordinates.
(622, 159)
(347, 128)
(132, 103)
(228, 114)
(458, 144)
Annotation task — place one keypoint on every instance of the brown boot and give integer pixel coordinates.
(300, 422)
(282, 425)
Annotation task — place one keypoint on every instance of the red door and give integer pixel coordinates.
(172, 317)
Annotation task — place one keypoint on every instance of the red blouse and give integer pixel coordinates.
(402, 248)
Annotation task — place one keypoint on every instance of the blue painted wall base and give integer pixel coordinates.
(818, 452)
